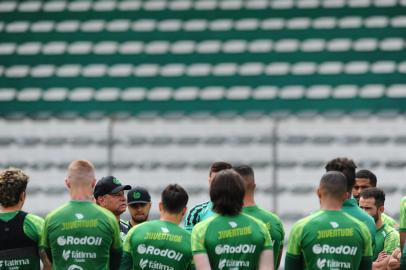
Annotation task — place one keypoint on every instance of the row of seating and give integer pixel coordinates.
(159, 5)
(162, 141)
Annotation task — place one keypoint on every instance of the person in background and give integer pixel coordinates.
(139, 205)
(20, 231)
(109, 194)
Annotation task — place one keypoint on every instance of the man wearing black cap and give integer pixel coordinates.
(109, 194)
(139, 204)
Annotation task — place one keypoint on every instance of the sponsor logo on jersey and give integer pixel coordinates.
(334, 224)
(233, 264)
(75, 267)
(15, 263)
(336, 232)
(78, 256)
(167, 253)
(87, 240)
(79, 216)
(332, 264)
(327, 249)
(233, 224)
(235, 232)
(158, 266)
(143, 263)
(227, 249)
(164, 230)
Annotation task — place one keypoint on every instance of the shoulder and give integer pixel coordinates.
(205, 223)
(34, 219)
(56, 212)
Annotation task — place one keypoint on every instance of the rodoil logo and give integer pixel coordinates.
(327, 249)
(151, 250)
(87, 240)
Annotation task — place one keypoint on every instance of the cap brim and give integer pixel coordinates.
(120, 188)
(134, 202)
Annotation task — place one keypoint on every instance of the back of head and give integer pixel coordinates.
(219, 166)
(227, 193)
(13, 182)
(333, 184)
(376, 193)
(247, 174)
(81, 173)
(367, 174)
(346, 166)
(174, 199)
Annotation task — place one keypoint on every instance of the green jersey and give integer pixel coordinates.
(273, 224)
(157, 245)
(390, 221)
(329, 239)
(32, 227)
(198, 213)
(386, 239)
(231, 242)
(402, 226)
(81, 235)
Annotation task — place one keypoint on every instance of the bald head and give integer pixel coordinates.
(81, 173)
(333, 185)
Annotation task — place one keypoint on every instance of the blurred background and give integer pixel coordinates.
(154, 91)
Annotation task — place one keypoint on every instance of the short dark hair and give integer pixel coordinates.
(174, 198)
(247, 174)
(376, 193)
(227, 193)
(13, 182)
(334, 184)
(219, 166)
(346, 166)
(367, 174)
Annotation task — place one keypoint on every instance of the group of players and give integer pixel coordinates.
(230, 231)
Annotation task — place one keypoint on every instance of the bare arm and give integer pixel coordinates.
(202, 261)
(381, 262)
(47, 265)
(279, 257)
(394, 260)
(402, 239)
(266, 260)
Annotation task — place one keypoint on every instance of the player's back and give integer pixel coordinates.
(273, 224)
(329, 239)
(81, 234)
(231, 242)
(351, 207)
(158, 245)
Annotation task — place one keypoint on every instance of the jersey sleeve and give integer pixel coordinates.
(198, 236)
(392, 241)
(294, 244)
(267, 235)
(402, 225)
(366, 235)
(33, 227)
(43, 243)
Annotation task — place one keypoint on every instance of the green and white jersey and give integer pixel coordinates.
(329, 239)
(198, 213)
(402, 225)
(231, 242)
(351, 207)
(390, 221)
(80, 235)
(273, 224)
(157, 245)
(32, 228)
(386, 239)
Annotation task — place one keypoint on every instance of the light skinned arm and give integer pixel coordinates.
(46, 262)
(202, 261)
(266, 260)
(394, 260)
(381, 262)
(402, 239)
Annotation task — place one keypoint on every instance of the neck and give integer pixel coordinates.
(329, 204)
(16, 207)
(81, 194)
(174, 218)
(249, 200)
(379, 222)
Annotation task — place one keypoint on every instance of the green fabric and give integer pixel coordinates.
(81, 234)
(273, 224)
(33, 227)
(351, 207)
(331, 239)
(386, 239)
(402, 226)
(157, 245)
(389, 220)
(198, 213)
(231, 242)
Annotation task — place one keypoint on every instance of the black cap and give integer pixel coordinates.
(138, 195)
(108, 185)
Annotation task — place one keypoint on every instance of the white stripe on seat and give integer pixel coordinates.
(55, 94)
(146, 70)
(70, 70)
(7, 48)
(7, 6)
(107, 94)
(43, 71)
(131, 47)
(106, 47)
(172, 70)
(120, 70)
(94, 70)
(7, 94)
(81, 94)
(18, 71)
(383, 67)
(29, 6)
(67, 26)
(42, 26)
(392, 44)
(79, 6)
(133, 94)
(129, 5)
(29, 94)
(54, 6)
(372, 91)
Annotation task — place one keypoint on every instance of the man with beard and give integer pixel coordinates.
(139, 204)
(372, 200)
